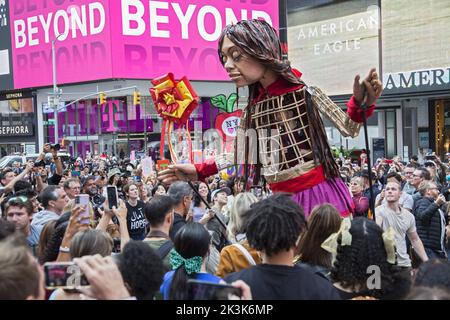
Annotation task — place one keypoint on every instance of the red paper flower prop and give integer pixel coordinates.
(174, 101)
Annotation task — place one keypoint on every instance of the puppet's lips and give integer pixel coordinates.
(234, 76)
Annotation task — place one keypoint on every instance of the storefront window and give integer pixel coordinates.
(391, 132)
(409, 137)
(69, 129)
(18, 123)
(92, 117)
(442, 126)
(82, 122)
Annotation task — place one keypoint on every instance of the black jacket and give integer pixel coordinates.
(429, 223)
(279, 282)
(178, 223)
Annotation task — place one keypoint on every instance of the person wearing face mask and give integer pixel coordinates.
(281, 103)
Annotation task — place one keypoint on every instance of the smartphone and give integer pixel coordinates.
(83, 200)
(202, 290)
(111, 192)
(137, 179)
(257, 191)
(64, 275)
(40, 163)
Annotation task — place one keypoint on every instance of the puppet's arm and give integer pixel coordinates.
(348, 123)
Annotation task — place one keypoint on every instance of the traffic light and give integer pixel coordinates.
(102, 97)
(136, 98)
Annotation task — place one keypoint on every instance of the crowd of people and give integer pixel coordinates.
(161, 237)
(311, 226)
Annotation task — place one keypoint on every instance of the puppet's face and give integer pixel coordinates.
(242, 69)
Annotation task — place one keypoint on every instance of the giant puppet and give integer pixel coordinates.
(282, 108)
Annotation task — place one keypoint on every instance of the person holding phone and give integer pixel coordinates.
(114, 219)
(51, 152)
(86, 242)
(75, 223)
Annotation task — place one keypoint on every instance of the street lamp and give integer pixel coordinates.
(55, 89)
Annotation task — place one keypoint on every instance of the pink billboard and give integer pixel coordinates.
(133, 39)
(82, 49)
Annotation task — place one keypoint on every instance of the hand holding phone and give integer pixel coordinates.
(106, 282)
(64, 275)
(83, 201)
(112, 196)
(202, 290)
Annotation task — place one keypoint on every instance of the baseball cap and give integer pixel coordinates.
(226, 190)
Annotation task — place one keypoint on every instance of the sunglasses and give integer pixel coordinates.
(22, 199)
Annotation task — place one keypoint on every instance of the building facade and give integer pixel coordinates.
(407, 41)
(109, 46)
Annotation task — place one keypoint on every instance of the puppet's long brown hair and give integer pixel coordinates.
(259, 40)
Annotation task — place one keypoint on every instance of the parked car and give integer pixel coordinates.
(8, 161)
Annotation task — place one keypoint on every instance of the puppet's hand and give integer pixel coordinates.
(370, 89)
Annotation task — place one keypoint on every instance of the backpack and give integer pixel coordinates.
(164, 250)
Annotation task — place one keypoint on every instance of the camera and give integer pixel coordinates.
(55, 147)
(97, 201)
(40, 163)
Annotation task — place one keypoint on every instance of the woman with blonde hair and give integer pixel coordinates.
(239, 255)
(361, 202)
